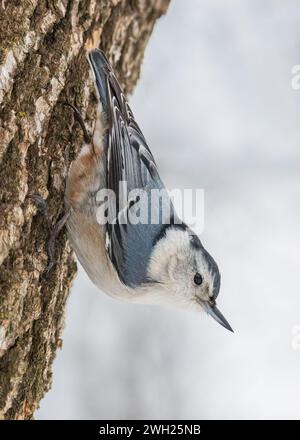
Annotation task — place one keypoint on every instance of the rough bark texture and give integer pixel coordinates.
(42, 62)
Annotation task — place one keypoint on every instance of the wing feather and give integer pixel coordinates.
(129, 160)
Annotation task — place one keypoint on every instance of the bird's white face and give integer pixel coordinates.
(180, 268)
(184, 273)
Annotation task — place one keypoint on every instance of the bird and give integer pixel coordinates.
(162, 262)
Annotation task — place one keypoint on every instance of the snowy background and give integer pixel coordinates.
(216, 105)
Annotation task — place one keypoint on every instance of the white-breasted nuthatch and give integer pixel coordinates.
(146, 262)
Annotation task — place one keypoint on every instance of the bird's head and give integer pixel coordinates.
(185, 273)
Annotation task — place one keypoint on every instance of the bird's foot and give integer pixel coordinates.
(53, 235)
(79, 119)
(54, 230)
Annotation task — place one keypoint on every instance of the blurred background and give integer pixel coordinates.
(216, 105)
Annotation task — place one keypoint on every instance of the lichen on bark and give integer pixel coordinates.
(43, 47)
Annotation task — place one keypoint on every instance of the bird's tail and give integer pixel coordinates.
(101, 70)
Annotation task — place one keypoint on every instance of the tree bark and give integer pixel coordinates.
(43, 47)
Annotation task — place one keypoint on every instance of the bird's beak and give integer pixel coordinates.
(213, 311)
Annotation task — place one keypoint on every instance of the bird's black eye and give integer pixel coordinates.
(198, 279)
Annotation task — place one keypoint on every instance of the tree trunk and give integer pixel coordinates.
(43, 63)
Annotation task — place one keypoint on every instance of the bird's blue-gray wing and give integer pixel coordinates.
(130, 166)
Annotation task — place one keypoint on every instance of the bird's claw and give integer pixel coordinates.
(53, 230)
(53, 235)
(79, 119)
